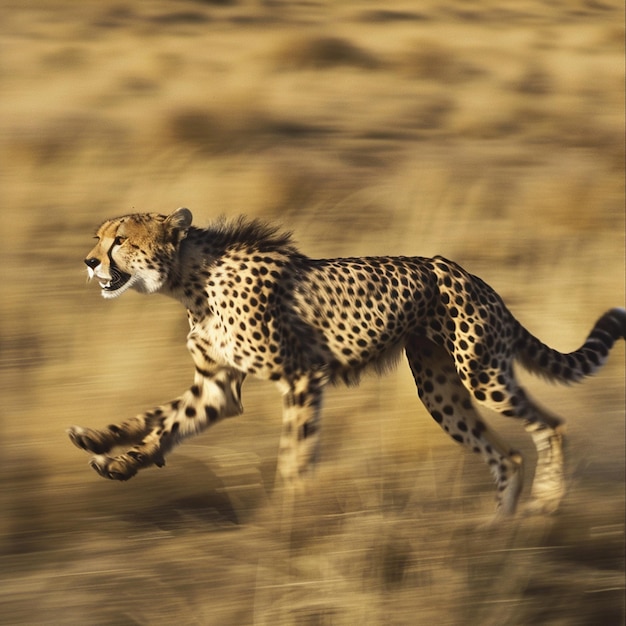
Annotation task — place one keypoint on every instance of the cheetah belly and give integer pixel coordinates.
(228, 346)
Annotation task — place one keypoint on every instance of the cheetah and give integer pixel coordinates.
(257, 306)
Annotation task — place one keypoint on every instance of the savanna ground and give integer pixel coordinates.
(490, 132)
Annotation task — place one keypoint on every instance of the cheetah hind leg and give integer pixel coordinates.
(546, 431)
(548, 488)
(450, 405)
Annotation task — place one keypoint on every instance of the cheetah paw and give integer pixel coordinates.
(111, 468)
(86, 439)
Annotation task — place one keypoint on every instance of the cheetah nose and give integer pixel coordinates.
(92, 263)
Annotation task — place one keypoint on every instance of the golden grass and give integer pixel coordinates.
(491, 133)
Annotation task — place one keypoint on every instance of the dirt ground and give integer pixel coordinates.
(490, 132)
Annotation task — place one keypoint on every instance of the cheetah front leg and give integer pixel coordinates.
(213, 396)
(300, 438)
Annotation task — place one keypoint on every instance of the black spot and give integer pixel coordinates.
(497, 396)
(190, 411)
(308, 428)
(211, 413)
(438, 417)
(478, 429)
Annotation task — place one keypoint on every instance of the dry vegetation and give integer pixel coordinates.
(491, 132)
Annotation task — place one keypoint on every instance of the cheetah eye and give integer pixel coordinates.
(118, 241)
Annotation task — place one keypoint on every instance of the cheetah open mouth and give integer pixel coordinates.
(118, 283)
(114, 285)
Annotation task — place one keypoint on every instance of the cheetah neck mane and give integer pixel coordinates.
(225, 233)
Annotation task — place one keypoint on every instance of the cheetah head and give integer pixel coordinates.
(137, 251)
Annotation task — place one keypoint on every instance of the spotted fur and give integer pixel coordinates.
(258, 306)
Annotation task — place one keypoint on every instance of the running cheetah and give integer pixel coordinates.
(257, 306)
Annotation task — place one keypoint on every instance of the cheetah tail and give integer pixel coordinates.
(539, 359)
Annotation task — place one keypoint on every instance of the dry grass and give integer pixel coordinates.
(320, 52)
(491, 133)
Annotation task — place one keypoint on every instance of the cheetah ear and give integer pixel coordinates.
(178, 222)
(180, 218)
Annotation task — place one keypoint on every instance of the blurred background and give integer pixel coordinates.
(489, 132)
